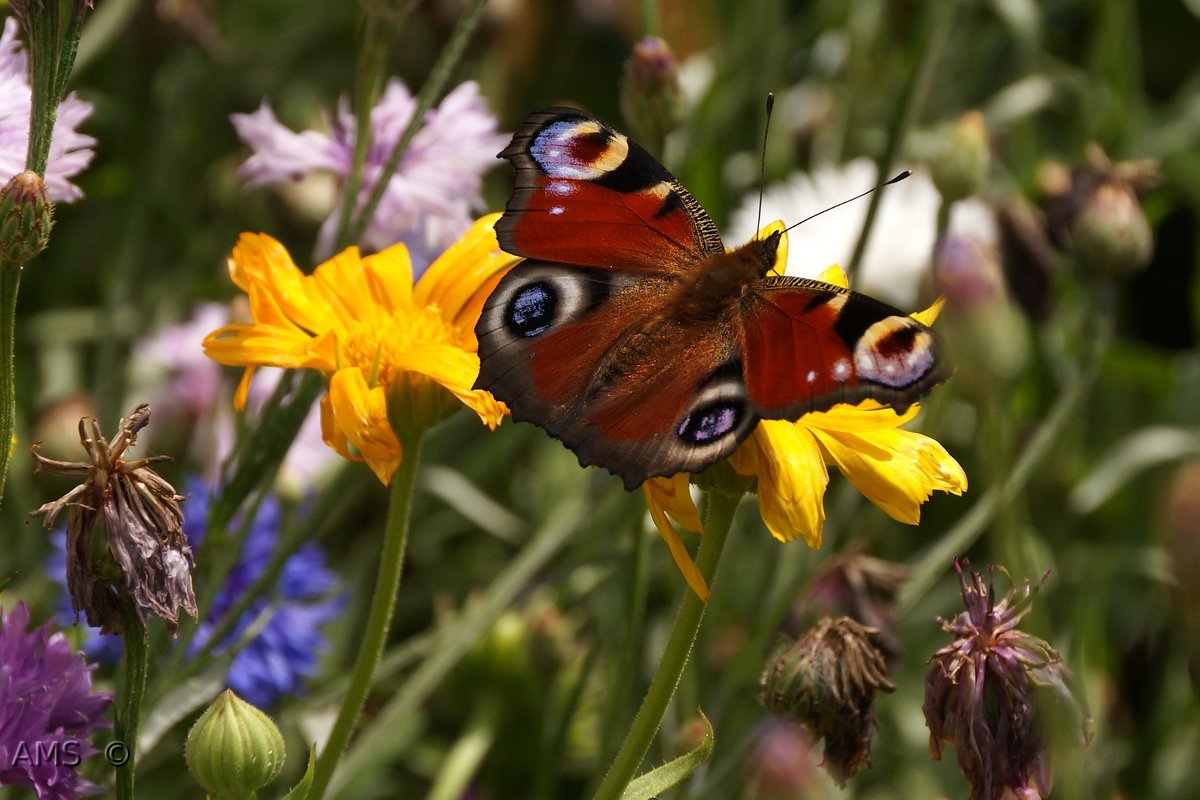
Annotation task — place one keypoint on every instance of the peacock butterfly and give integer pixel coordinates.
(630, 334)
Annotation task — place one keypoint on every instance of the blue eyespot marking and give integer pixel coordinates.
(710, 423)
(532, 309)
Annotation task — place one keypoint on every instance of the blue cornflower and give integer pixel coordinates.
(284, 652)
(47, 710)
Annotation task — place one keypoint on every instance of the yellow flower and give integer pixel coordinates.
(389, 349)
(896, 469)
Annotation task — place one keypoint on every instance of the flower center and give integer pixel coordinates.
(383, 348)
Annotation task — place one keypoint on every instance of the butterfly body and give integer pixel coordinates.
(632, 335)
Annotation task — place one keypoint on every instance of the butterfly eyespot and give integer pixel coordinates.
(895, 352)
(708, 424)
(532, 309)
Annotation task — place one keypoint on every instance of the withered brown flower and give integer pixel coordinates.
(141, 551)
(828, 680)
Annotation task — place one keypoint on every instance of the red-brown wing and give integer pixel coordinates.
(807, 346)
(585, 194)
(587, 355)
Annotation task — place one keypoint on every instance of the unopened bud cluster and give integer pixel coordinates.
(26, 217)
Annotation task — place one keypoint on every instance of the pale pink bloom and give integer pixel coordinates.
(429, 200)
(70, 151)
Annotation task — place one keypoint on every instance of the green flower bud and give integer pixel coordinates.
(234, 749)
(26, 216)
(651, 98)
(960, 157)
(1111, 235)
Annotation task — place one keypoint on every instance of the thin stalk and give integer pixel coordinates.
(1063, 413)
(650, 17)
(464, 758)
(649, 717)
(379, 618)
(939, 22)
(133, 687)
(377, 741)
(10, 282)
(439, 76)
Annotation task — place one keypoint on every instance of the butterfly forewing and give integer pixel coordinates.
(583, 193)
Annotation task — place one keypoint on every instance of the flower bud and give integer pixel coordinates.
(234, 749)
(651, 98)
(1111, 235)
(828, 680)
(960, 157)
(1096, 214)
(26, 217)
(984, 693)
(984, 332)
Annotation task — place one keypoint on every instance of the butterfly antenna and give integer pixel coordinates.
(762, 171)
(896, 179)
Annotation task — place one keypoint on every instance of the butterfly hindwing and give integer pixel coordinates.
(584, 193)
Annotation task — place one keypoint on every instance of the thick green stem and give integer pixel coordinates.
(633, 750)
(939, 21)
(10, 281)
(379, 618)
(133, 687)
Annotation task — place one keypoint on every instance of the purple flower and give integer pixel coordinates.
(429, 200)
(47, 710)
(984, 692)
(70, 151)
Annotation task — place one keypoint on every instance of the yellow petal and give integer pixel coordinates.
(895, 469)
(360, 415)
(869, 415)
(389, 274)
(791, 479)
(930, 314)
(456, 370)
(836, 275)
(261, 264)
(663, 494)
(453, 280)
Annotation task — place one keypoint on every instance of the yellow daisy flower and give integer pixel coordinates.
(894, 468)
(385, 345)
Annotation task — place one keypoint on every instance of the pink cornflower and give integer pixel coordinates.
(429, 200)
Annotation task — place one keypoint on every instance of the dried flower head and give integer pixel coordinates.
(144, 553)
(828, 680)
(984, 690)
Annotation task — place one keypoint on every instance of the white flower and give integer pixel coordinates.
(70, 151)
(898, 256)
(429, 200)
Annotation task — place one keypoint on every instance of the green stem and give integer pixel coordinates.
(934, 562)
(379, 618)
(133, 687)
(10, 281)
(650, 17)
(467, 754)
(377, 742)
(439, 76)
(938, 24)
(649, 717)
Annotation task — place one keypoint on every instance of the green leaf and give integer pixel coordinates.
(300, 790)
(658, 780)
